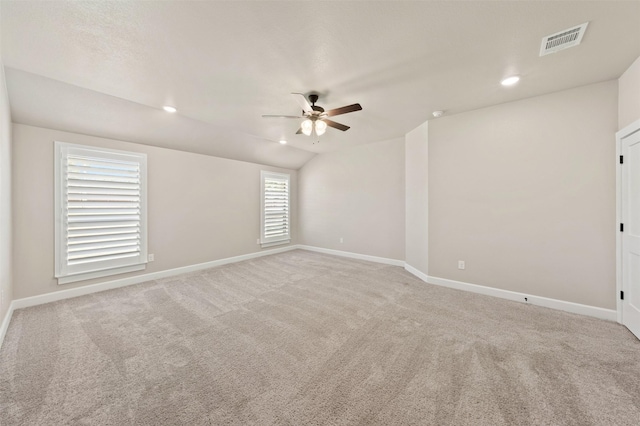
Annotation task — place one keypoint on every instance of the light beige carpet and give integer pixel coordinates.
(302, 338)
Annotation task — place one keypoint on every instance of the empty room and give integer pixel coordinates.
(319, 212)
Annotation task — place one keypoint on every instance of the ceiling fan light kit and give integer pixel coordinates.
(315, 117)
(321, 127)
(307, 127)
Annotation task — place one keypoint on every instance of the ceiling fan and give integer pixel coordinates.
(315, 116)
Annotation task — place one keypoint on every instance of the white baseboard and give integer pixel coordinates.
(5, 322)
(424, 277)
(109, 285)
(352, 255)
(575, 308)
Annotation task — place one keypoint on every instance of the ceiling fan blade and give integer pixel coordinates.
(343, 110)
(303, 102)
(281, 116)
(299, 132)
(336, 125)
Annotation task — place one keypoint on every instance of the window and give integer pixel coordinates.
(275, 218)
(100, 212)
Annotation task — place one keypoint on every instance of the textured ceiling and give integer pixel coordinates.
(106, 68)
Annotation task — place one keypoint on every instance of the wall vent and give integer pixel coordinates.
(563, 40)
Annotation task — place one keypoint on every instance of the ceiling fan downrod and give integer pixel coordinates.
(314, 98)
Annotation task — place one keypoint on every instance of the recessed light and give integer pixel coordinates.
(169, 108)
(437, 114)
(510, 81)
(283, 142)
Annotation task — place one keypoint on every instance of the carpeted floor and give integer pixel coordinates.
(302, 338)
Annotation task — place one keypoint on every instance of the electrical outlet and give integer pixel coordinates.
(460, 264)
(151, 258)
(341, 240)
(258, 241)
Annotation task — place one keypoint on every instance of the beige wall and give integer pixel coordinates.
(356, 194)
(201, 208)
(417, 198)
(524, 192)
(629, 96)
(5, 199)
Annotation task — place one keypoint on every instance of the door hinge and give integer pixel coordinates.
(621, 159)
(622, 295)
(622, 227)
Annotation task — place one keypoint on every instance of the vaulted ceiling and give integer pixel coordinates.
(107, 68)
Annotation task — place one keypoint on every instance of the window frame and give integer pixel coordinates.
(65, 273)
(280, 239)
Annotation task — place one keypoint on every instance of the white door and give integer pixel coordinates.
(630, 185)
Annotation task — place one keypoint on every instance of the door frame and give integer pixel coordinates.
(620, 135)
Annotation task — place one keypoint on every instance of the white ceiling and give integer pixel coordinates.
(107, 68)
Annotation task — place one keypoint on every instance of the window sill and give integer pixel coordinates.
(274, 243)
(99, 274)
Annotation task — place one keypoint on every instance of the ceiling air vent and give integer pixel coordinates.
(563, 40)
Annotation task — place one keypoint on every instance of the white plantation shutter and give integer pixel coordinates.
(275, 217)
(101, 212)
